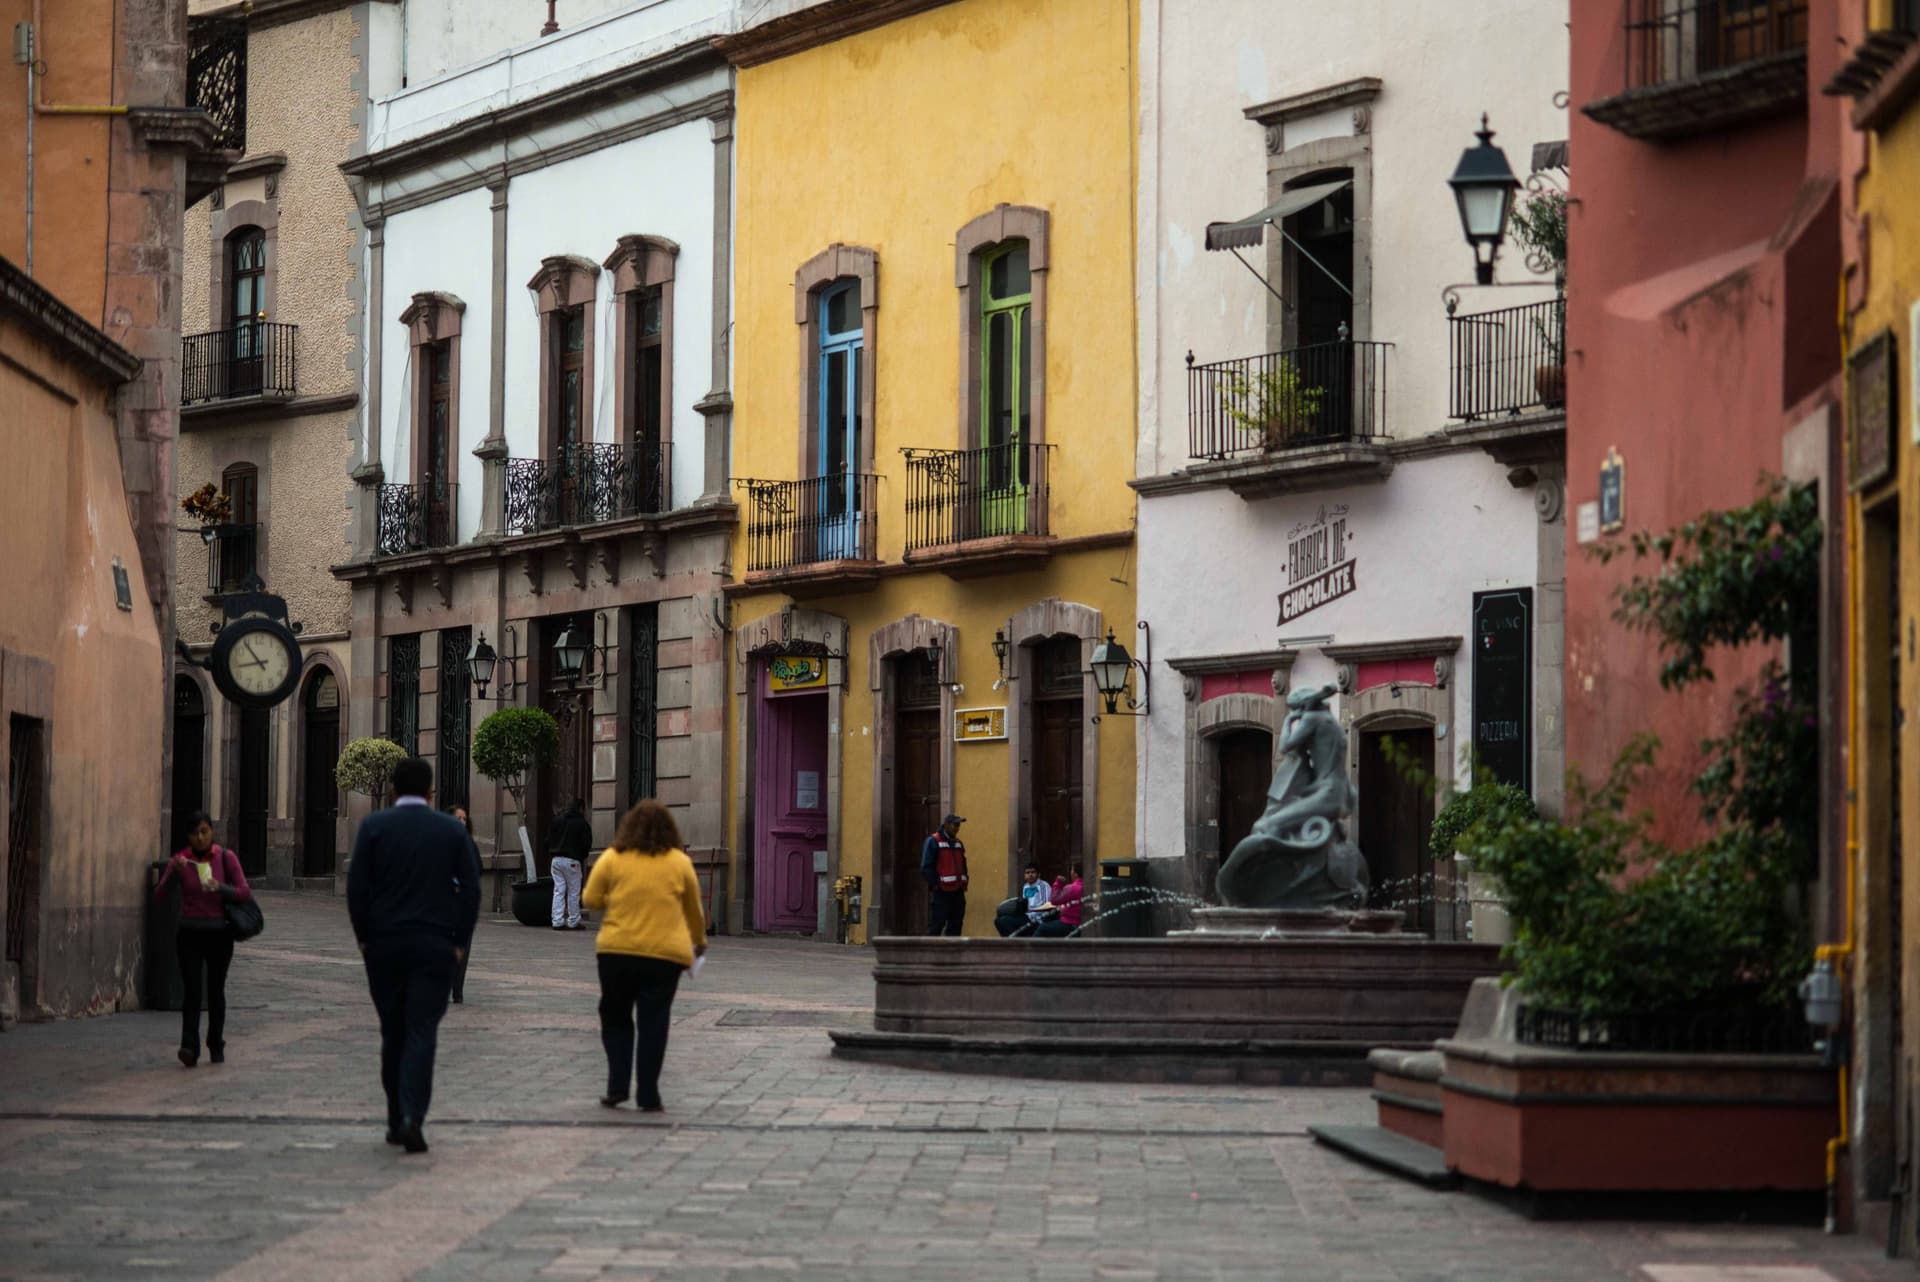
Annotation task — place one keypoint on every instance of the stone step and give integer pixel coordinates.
(1377, 1146)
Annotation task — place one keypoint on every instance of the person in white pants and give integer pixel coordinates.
(572, 837)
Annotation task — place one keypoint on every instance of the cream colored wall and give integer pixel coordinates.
(63, 520)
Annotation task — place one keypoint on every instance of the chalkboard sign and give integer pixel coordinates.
(1503, 685)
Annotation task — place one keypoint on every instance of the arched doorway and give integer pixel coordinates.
(1245, 774)
(320, 750)
(1059, 721)
(189, 757)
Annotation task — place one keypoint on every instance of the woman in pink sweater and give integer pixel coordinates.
(208, 875)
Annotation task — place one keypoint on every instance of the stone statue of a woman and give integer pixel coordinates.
(1298, 854)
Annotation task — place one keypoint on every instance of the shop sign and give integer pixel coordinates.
(1872, 409)
(788, 673)
(978, 725)
(1320, 567)
(1503, 685)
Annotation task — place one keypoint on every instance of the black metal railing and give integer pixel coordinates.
(254, 358)
(1668, 41)
(791, 524)
(413, 518)
(217, 77)
(232, 555)
(1506, 361)
(1316, 395)
(583, 484)
(956, 496)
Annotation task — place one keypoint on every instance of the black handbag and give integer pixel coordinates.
(244, 917)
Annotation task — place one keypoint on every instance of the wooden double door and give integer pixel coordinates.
(1057, 779)
(916, 788)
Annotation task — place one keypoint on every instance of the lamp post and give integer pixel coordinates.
(1112, 667)
(480, 664)
(1483, 187)
(1001, 648)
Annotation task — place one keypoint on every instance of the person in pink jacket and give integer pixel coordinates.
(208, 875)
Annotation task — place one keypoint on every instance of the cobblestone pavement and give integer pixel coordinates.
(773, 1160)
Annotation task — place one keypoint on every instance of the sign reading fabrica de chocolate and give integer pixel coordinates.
(1319, 568)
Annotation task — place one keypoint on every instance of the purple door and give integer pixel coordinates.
(791, 805)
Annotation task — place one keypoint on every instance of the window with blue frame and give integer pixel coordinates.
(838, 464)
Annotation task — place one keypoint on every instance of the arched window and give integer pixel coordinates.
(246, 310)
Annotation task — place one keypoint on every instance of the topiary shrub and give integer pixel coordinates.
(508, 744)
(1487, 806)
(366, 766)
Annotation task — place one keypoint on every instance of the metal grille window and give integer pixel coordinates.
(455, 733)
(403, 693)
(217, 78)
(643, 708)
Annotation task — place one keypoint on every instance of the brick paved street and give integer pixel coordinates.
(773, 1159)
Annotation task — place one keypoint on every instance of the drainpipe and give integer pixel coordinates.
(66, 109)
(1840, 955)
(23, 54)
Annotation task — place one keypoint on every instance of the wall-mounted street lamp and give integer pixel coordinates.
(1001, 648)
(571, 650)
(1483, 187)
(482, 663)
(1112, 667)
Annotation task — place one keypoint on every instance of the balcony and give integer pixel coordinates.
(1507, 362)
(1697, 66)
(812, 536)
(253, 360)
(217, 77)
(1306, 418)
(232, 556)
(587, 484)
(979, 511)
(417, 518)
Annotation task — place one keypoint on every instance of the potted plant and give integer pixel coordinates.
(1274, 405)
(366, 766)
(1486, 807)
(1539, 226)
(209, 506)
(509, 744)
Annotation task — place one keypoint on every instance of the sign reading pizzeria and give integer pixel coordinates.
(1319, 566)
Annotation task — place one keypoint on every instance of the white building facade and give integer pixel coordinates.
(1340, 483)
(547, 411)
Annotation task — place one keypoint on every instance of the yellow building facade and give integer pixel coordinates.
(1881, 329)
(934, 403)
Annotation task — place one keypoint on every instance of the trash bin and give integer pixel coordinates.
(1126, 899)
(162, 990)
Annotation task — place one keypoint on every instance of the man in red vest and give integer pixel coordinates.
(943, 862)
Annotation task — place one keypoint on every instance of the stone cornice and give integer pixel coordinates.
(1385, 651)
(1348, 93)
(686, 521)
(260, 408)
(1223, 664)
(815, 25)
(65, 329)
(1409, 449)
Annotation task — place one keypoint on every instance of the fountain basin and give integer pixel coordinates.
(1235, 1007)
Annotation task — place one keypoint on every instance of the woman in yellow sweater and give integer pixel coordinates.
(651, 928)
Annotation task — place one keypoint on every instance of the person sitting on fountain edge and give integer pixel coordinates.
(1037, 894)
(943, 862)
(1066, 909)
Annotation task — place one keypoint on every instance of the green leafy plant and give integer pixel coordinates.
(1538, 225)
(1275, 404)
(1489, 805)
(513, 741)
(1608, 920)
(366, 766)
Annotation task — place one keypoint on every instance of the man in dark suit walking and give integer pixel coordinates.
(413, 891)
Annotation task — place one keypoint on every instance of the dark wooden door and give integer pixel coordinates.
(320, 706)
(1395, 817)
(249, 838)
(570, 774)
(189, 752)
(27, 793)
(916, 811)
(1246, 772)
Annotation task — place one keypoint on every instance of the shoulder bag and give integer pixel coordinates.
(244, 917)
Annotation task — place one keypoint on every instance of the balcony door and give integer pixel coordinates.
(437, 477)
(1319, 274)
(569, 413)
(646, 466)
(839, 456)
(1000, 468)
(246, 310)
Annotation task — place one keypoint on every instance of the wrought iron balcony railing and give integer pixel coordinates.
(1507, 361)
(957, 496)
(217, 77)
(794, 524)
(232, 555)
(414, 518)
(588, 483)
(254, 358)
(1669, 41)
(1318, 395)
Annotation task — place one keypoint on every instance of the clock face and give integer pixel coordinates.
(260, 664)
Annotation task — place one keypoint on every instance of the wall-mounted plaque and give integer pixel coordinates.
(1871, 411)
(978, 725)
(1613, 492)
(1503, 685)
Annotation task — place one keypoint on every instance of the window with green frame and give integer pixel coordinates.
(1006, 339)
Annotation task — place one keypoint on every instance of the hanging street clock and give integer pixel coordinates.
(256, 650)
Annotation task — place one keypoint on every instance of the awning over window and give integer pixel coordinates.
(1246, 232)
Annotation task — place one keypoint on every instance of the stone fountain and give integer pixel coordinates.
(1291, 979)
